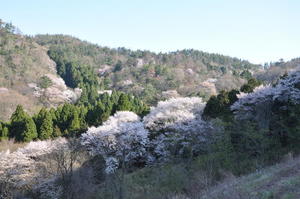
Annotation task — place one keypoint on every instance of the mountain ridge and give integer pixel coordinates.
(148, 75)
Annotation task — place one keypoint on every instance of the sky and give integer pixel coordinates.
(256, 30)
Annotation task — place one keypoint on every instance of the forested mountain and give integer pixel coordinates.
(149, 75)
(48, 70)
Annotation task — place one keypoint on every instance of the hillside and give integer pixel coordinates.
(176, 149)
(278, 181)
(27, 74)
(277, 69)
(149, 75)
(47, 70)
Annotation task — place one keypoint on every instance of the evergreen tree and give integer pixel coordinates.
(74, 123)
(123, 103)
(212, 107)
(52, 111)
(65, 116)
(114, 97)
(246, 74)
(95, 114)
(17, 123)
(46, 128)
(219, 106)
(29, 132)
(56, 132)
(83, 97)
(38, 119)
(249, 87)
(82, 112)
(118, 66)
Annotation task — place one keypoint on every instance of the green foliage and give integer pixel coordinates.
(98, 114)
(219, 106)
(124, 103)
(246, 146)
(153, 72)
(45, 82)
(223, 70)
(76, 74)
(29, 133)
(246, 74)
(249, 87)
(22, 126)
(285, 125)
(109, 104)
(69, 119)
(75, 123)
(3, 131)
(118, 66)
(38, 119)
(46, 128)
(56, 132)
(17, 123)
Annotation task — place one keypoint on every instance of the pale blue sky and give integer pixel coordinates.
(256, 30)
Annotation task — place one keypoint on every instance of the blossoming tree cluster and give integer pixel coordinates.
(274, 110)
(176, 127)
(23, 168)
(250, 105)
(124, 139)
(121, 140)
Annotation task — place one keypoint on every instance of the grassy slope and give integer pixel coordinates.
(279, 181)
(177, 181)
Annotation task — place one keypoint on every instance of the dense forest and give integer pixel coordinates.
(68, 120)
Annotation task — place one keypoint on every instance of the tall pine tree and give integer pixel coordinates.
(124, 103)
(17, 123)
(46, 128)
(29, 133)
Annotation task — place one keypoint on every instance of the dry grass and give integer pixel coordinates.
(10, 145)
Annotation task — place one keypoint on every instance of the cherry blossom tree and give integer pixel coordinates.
(122, 140)
(22, 169)
(176, 125)
(257, 105)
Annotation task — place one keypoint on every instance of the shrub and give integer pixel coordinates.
(45, 82)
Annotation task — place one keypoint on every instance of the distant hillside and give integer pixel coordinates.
(149, 75)
(27, 74)
(277, 69)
